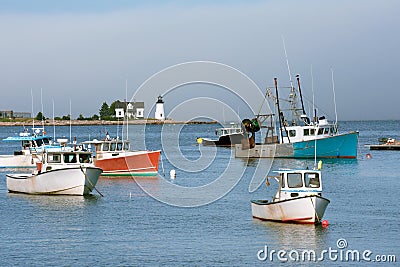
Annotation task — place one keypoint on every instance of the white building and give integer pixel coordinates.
(133, 110)
(159, 115)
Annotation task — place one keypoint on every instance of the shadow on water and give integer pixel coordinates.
(56, 201)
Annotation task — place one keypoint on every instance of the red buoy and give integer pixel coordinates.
(368, 156)
(325, 223)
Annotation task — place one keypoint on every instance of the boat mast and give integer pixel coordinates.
(334, 99)
(279, 111)
(301, 95)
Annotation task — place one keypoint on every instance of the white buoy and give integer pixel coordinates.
(172, 174)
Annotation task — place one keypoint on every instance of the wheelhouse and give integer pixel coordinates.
(298, 183)
(68, 157)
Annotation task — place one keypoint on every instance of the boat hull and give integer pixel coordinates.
(18, 161)
(337, 146)
(305, 210)
(67, 181)
(225, 140)
(132, 163)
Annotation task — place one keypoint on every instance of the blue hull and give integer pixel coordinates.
(338, 146)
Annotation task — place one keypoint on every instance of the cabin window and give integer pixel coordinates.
(312, 131)
(69, 158)
(112, 146)
(54, 158)
(126, 146)
(320, 131)
(84, 158)
(326, 131)
(106, 146)
(292, 133)
(306, 132)
(312, 180)
(294, 180)
(119, 146)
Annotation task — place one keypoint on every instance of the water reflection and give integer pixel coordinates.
(56, 201)
(292, 236)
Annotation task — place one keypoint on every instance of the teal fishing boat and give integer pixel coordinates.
(298, 136)
(33, 145)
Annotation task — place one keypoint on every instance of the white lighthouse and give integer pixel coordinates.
(159, 115)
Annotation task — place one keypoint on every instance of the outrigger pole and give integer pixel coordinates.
(301, 95)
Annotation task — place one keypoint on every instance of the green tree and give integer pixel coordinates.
(104, 111)
(80, 118)
(66, 118)
(40, 116)
(95, 117)
(113, 106)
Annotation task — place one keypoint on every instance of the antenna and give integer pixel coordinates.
(54, 124)
(287, 63)
(293, 98)
(70, 123)
(41, 103)
(316, 132)
(33, 115)
(126, 109)
(334, 96)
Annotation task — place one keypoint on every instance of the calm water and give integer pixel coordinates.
(127, 227)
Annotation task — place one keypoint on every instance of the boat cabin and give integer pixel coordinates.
(298, 183)
(61, 159)
(113, 145)
(30, 144)
(235, 129)
(293, 134)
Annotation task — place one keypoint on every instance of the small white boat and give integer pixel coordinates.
(298, 199)
(59, 173)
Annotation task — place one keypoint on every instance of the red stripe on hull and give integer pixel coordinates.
(295, 221)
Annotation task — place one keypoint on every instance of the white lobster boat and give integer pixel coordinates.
(298, 199)
(59, 173)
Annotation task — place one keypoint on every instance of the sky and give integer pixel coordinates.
(85, 52)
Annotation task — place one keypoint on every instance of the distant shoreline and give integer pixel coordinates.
(99, 122)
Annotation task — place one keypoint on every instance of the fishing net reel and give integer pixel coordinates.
(251, 126)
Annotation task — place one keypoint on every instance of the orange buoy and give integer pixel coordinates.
(325, 223)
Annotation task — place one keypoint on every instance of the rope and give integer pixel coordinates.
(316, 214)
